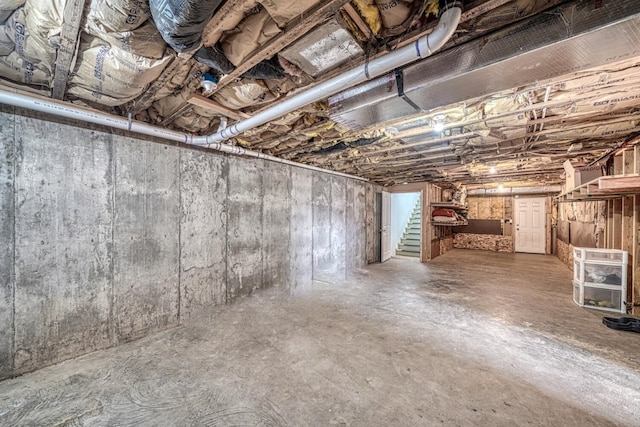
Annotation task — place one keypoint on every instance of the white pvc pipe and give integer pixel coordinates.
(13, 97)
(421, 48)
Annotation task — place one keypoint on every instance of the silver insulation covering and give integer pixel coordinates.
(570, 38)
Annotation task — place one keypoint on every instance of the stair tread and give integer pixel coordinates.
(405, 245)
(411, 254)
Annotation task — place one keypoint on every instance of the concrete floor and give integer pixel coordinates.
(473, 338)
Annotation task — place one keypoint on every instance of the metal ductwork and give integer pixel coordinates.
(421, 48)
(570, 38)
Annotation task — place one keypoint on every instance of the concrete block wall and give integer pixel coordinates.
(107, 238)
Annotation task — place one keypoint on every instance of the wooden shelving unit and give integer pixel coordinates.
(448, 205)
(603, 188)
(620, 192)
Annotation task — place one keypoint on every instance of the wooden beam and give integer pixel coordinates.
(211, 105)
(68, 48)
(426, 231)
(483, 7)
(357, 19)
(635, 264)
(616, 184)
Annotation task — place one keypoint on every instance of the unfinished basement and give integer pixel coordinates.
(321, 212)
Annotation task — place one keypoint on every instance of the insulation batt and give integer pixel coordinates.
(20, 70)
(394, 12)
(196, 120)
(144, 40)
(186, 74)
(111, 76)
(280, 86)
(370, 13)
(167, 105)
(26, 56)
(508, 12)
(230, 21)
(253, 32)
(283, 11)
(115, 16)
(7, 7)
(243, 94)
(6, 42)
(181, 23)
(35, 30)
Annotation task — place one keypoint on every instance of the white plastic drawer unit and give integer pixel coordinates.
(607, 256)
(600, 278)
(599, 274)
(577, 293)
(600, 266)
(603, 299)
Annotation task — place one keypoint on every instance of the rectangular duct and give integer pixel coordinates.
(570, 38)
(325, 48)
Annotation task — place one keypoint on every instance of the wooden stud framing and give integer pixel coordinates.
(635, 263)
(617, 224)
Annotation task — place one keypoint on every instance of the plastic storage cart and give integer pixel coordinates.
(600, 278)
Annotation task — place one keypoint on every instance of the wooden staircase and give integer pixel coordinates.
(410, 242)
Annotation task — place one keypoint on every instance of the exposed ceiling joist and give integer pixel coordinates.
(579, 114)
(211, 105)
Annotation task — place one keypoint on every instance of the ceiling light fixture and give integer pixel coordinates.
(438, 123)
(492, 169)
(500, 187)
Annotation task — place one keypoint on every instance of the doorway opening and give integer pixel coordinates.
(406, 220)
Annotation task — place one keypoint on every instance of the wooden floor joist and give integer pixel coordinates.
(211, 105)
(357, 19)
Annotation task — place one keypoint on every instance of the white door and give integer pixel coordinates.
(386, 226)
(530, 218)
